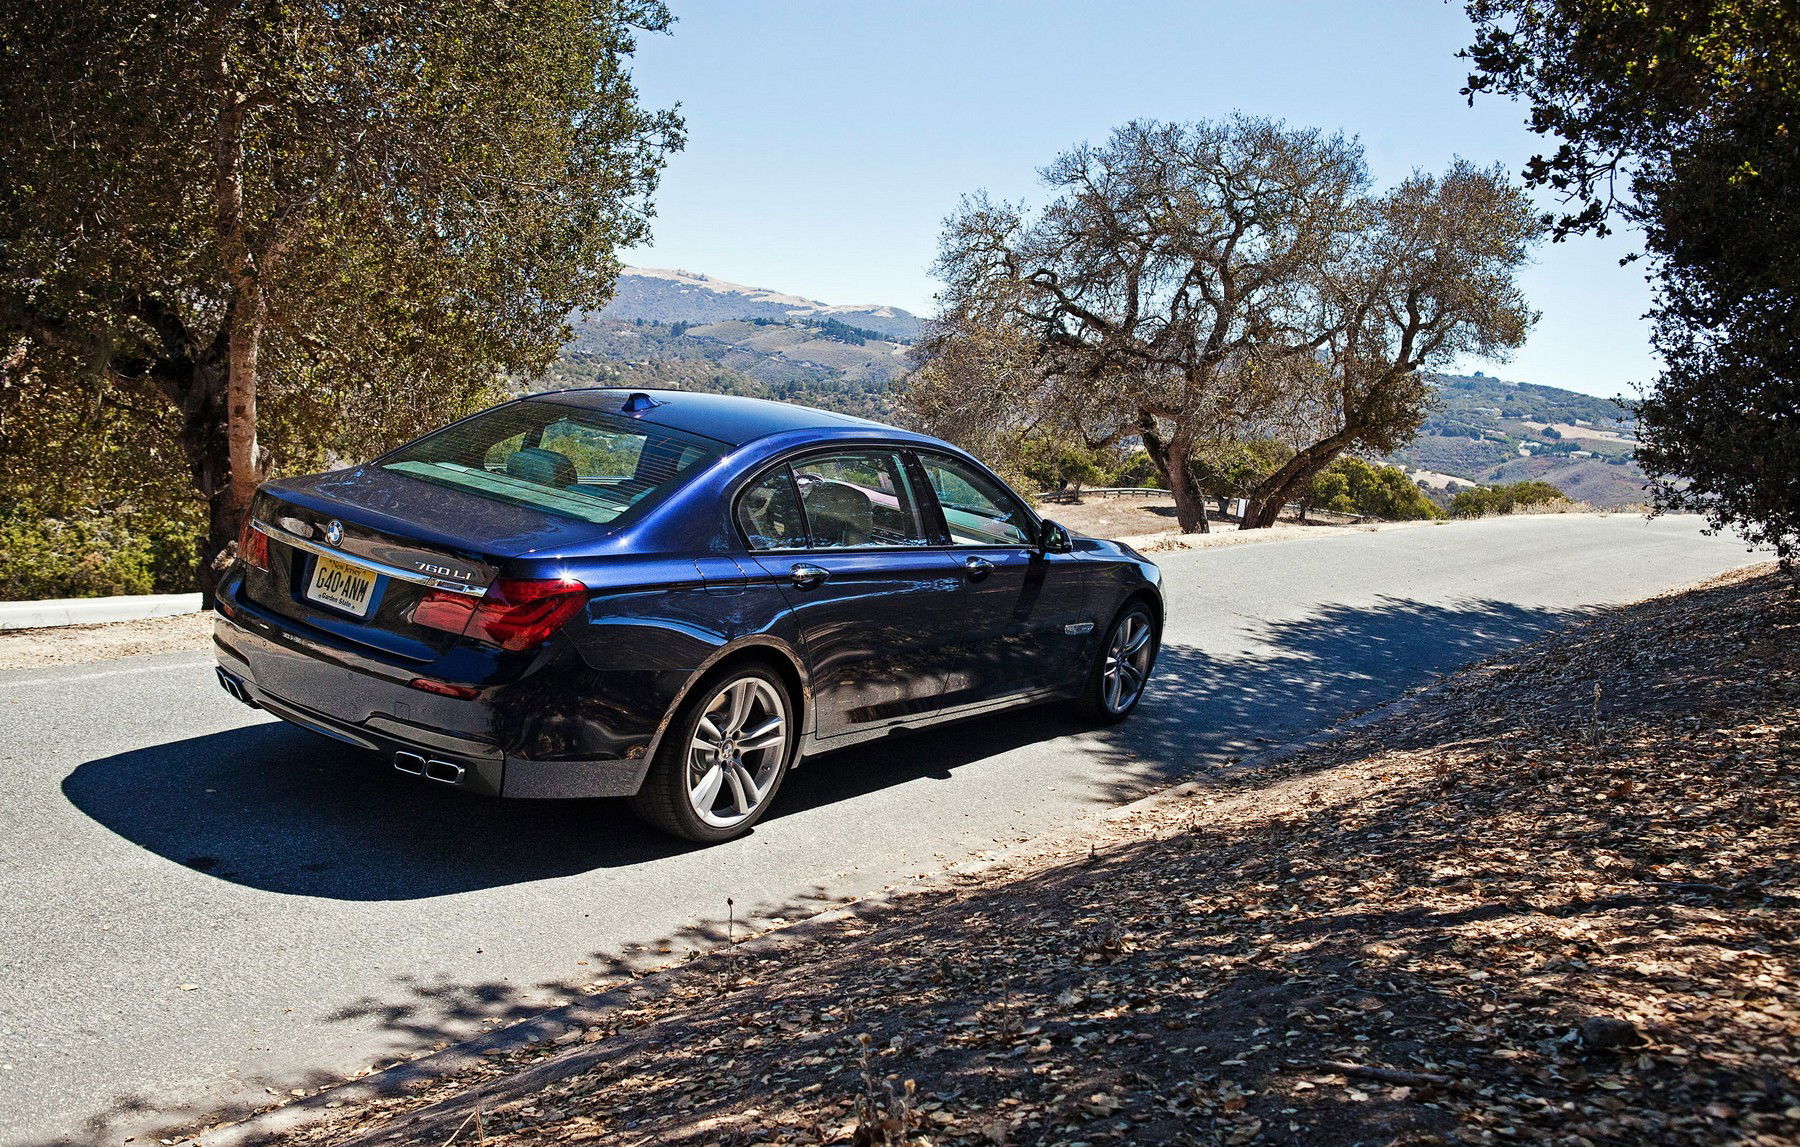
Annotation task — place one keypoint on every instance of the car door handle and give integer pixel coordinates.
(978, 568)
(806, 576)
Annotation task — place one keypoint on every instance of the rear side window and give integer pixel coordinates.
(769, 513)
(591, 465)
(858, 499)
(978, 510)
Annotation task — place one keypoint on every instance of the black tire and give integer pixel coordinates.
(1098, 701)
(673, 789)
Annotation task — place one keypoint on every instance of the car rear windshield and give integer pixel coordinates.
(588, 464)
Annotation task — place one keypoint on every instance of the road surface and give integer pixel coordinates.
(198, 903)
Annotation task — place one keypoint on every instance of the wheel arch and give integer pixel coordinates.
(755, 650)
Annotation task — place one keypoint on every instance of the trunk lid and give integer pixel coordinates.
(408, 536)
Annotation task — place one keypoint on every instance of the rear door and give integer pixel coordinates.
(878, 606)
(1028, 611)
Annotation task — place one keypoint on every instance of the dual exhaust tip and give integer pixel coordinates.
(444, 772)
(235, 687)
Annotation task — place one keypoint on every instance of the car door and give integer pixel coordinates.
(877, 604)
(1028, 612)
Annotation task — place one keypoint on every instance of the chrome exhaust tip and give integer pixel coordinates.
(444, 772)
(235, 687)
(411, 763)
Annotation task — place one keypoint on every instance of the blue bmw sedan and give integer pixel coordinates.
(666, 596)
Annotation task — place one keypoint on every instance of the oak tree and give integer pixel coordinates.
(306, 229)
(1433, 277)
(1174, 270)
(1682, 116)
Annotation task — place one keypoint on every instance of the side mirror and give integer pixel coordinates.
(1053, 539)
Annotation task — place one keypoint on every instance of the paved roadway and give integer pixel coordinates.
(331, 912)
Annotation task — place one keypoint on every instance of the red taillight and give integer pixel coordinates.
(441, 609)
(515, 614)
(253, 546)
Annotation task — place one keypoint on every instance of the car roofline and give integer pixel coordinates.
(798, 417)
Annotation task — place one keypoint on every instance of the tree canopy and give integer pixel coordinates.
(1192, 285)
(1680, 116)
(245, 235)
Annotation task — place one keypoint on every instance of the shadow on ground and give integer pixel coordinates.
(274, 807)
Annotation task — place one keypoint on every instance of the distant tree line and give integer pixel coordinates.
(1198, 289)
(1514, 498)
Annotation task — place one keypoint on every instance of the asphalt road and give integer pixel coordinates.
(198, 902)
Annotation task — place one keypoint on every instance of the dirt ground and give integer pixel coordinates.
(81, 644)
(1117, 517)
(1149, 524)
(1554, 898)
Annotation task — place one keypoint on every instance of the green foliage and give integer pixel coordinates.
(1135, 469)
(395, 206)
(1054, 464)
(1681, 116)
(1235, 469)
(95, 555)
(1353, 486)
(1518, 497)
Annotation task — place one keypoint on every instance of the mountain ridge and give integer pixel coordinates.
(689, 330)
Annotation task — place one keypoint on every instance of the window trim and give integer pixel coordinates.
(912, 456)
(930, 516)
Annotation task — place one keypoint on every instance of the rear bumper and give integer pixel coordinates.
(371, 706)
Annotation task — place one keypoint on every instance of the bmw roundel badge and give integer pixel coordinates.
(334, 532)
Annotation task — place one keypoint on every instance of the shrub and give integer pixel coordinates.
(1352, 486)
(93, 555)
(1519, 497)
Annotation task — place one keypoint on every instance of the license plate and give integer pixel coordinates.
(341, 586)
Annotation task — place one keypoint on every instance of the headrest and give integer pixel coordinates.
(545, 467)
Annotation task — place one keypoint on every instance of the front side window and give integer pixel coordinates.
(591, 465)
(978, 510)
(858, 499)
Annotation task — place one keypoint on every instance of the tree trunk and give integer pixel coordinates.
(246, 319)
(1170, 456)
(1190, 503)
(228, 494)
(1277, 489)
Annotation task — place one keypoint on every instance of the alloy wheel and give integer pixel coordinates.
(1127, 664)
(735, 757)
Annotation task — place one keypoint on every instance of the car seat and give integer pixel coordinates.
(840, 515)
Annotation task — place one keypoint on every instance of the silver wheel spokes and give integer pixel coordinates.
(735, 756)
(1127, 663)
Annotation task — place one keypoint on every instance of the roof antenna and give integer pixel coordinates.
(637, 402)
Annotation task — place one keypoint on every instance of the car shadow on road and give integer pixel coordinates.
(274, 807)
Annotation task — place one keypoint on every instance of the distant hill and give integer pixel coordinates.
(690, 331)
(1488, 430)
(687, 296)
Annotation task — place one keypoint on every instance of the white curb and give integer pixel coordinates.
(94, 610)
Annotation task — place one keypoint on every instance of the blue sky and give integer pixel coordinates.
(827, 141)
